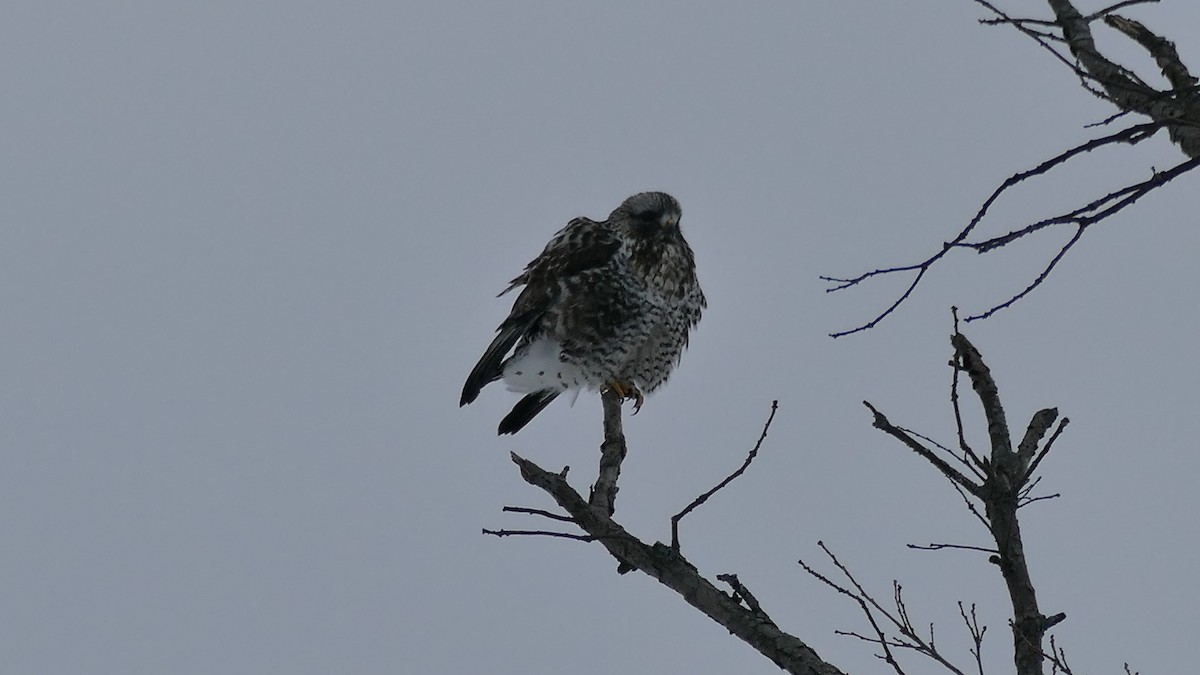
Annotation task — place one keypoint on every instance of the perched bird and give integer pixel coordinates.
(606, 305)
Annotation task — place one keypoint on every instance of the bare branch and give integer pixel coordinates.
(908, 637)
(1131, 135)
(612, 452)
(846, 283)
(1002, 493)
(962, 460)
(1161, 50)
(1177, 109)
(882, 423)
(1179, 106)
(1020, 25)
(1036, 282)
(538, 512)
(955, 367)
(1093, 212)
(1028, 487)
(1120, 5)
(971, 506)
(1026, 501)
(976, 632)
(865, 603)
(728, 479)
(741, 593)
(1038, 426)
(939, 547)
(1045, 450)
(675, 572)
(989, 396)
(1058, 659)
(538, 533)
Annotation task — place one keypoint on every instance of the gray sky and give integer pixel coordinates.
(250, 254)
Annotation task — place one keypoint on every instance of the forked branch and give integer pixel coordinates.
(740, 613)
(1175, 108)
(1008, 477)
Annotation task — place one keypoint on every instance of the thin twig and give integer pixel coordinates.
(962, 460)
(538, 512)
(1177, 109)
(1089, 213)
(882, 423)
(539, 533)
(961, 547)
(1028, 487)
(1029, 500)
(971, 506)
(870, 607)
(1083, 75)
(1133, 134)
(1036, 282)
(1058, 658)
(865, 603)
(1112, 8)
(728, 479)
(977, 633)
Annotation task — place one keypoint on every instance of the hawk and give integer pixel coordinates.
(606, 305)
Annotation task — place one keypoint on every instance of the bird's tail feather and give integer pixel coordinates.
(525, 410)
(489, 367)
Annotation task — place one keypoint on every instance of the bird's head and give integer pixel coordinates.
(648, 214)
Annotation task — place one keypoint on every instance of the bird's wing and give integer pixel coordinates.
(580, 246)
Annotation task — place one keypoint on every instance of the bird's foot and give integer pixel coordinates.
(627, 391)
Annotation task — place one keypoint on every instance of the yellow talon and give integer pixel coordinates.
(628, 391)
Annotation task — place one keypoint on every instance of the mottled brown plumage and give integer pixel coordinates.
(606, 304)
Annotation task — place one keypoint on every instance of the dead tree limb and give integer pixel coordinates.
(1001, 493)
(612, 453)
(1175, 108)
(1006, 476)
(739, 612)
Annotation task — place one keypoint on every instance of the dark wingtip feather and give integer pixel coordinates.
(471, 390)
(489, 368)
(473, 386)
(525, 410)
(491, 365)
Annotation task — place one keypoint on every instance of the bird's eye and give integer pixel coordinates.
(648, 216)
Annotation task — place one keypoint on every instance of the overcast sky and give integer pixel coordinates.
(251, 250)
